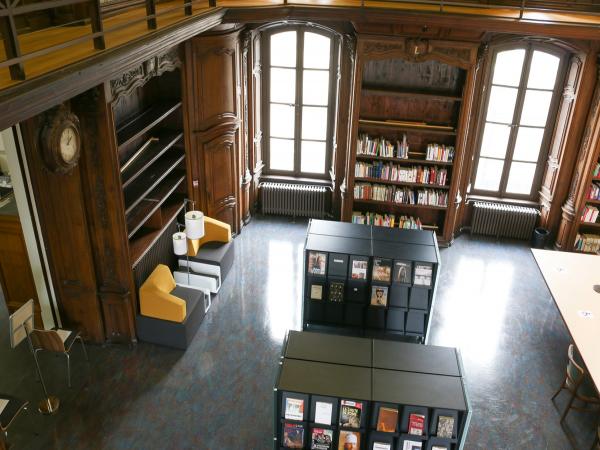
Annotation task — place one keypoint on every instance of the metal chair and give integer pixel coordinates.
(10, 407)
(58, 341)
(580, 386)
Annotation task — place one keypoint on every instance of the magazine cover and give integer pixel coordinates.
(294, 408)
(423, 274)
(416, 424)
(379, 295)
(323, 412)
(359, 269)
(387, 420)
(316, 292)
(350, 414)
(317, 262)
(321, 439)
(403, 272)
(382, 270)
(293, 435)
(382, 446)
(349, 440)
(445, 426)
(412, 445)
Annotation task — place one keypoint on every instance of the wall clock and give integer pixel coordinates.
(61, 142)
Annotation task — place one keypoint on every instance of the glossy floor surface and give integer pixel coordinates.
(492, 303)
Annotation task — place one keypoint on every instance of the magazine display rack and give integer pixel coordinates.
(369, 281)
(369, 394)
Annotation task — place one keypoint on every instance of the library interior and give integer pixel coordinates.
(300, 224)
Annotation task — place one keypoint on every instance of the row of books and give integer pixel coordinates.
(589, 214)
(387, 220)
(402, 195)
(394, 172)
(596, 172)
(594, 192)
(586, 242)
(382, 147)
(440, 152)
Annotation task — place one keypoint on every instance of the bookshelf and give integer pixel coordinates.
(587, 237)
(148, 121)
(409, 91)
(322, 373)
(341, 296)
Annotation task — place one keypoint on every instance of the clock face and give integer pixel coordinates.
(69, 144)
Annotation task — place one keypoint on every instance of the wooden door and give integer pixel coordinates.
(212, 95)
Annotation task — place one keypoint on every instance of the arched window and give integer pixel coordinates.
(518, 117)
(299, 100)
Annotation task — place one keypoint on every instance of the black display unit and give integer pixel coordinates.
(376, 392)
(369, 281)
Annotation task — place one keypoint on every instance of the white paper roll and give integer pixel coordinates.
(194, 224)
(180, 243)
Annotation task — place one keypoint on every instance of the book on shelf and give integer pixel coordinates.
(317, 263)
(349, 440)
(594, 192)
(587, 242)
(401, 174)
(350, 413)
(321, 439)
(387, 220)
(382, 147)
(387, 419)
(589, 214)
(379, 295)
(416, 424)
(294, 408)
(400, 195)
(445, 427)
(596, 171)
(440, 152)
(412, 445)
(323, 412)
(293, 435)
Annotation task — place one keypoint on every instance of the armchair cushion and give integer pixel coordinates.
(157, 298)
(214, 231)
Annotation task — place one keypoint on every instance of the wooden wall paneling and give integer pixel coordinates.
(15, 271)
(105, 213)
(188, 98)
(344, 124)
(581, 176)
(216, 101)
(62, 211)
(562, 158)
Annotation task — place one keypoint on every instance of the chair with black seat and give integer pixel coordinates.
(10, 408)
(58, 341)
(579, 385)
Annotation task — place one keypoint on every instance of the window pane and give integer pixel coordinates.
(489, 172)
(313, 157)
(544, 68)
(507, 69)
(315, 87)
(502, 104)
(283, 85)
(535, 108)
(283, 49)
(282, 121)
(316, 51)
(520, 178)
(281, 154)
(529, 141)
(495, 140)
(314, 123)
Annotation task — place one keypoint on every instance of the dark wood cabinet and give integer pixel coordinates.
(213, 99)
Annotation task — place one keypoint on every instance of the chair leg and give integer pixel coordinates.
(35, 352)
(564, 414)
(562, 386)
(83, 347)
(68, 369)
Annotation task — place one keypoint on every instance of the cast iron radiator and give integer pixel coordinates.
(298, 200)
(495, 219)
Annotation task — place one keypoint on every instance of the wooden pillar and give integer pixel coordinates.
(246, 177)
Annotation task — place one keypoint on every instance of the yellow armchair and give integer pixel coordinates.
(156, 299)
(214, 231)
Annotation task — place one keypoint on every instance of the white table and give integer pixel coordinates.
(571, 278)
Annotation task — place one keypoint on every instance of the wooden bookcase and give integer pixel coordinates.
(148, 117)
(583, 227)
(415, 88)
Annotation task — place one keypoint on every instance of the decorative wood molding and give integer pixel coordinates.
(138, 76)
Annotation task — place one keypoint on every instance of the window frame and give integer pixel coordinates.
(529, 48)
(334, 68)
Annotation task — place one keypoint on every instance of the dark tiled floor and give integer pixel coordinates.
(492, 304)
